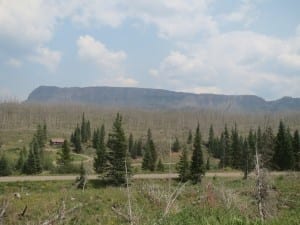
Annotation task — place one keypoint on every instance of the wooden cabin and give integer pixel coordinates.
(57, 141)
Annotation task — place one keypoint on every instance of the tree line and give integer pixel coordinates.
(279, 151)
(30, 161)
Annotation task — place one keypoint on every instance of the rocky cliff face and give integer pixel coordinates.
(158, 99)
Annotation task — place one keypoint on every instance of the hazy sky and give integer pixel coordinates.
(200, 46)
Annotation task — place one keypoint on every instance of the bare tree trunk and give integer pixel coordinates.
(2, 211)
(259, 186)
(128, 195)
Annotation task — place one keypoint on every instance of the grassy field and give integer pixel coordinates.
(215, 201)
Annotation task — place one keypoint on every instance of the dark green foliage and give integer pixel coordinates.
(217, 148)
(76, 140)
(225, 145)
(251, 141)
(132, 147)
(183, 166)
(45, 132)
(190, 138)
(197, 166)
(100, 160)
(146, 159)
(212, 143)
(117, 145)
(236, 149)
(259, 140)
(88, 130)
(176, 145)
(139, 147)
(283, 158)
(33, 162)
(160, 166)
(267, 150)
(214, 147)
(29, 166)
(96, 138)
(207, 166)
(64, 156)
(41, 135)
(22, 159)
(296, 149)
(246, 159)
(85, 129)
(150, 155)
(5, 168)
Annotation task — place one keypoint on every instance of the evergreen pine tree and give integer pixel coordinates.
(83, 129)
(267, 150)
(246, 158)
(139, 147)
(226, 155)
(290, 156)
(146, 158)
(183, 166)
(283, 158)
(152, 149)
(33, 162)
(30, 164)
(160, 166)
(211, 140)
(259, 140)
(22, 159)
(96, 138)
(77, 140)
(207, 166)
(5, 169)
(217, 148)
(100, 160)
(65, 157)
(88, 130)
(235, 149)
(221, 147)
(197, 167)
(176, 145)
(37, 155)
(131, 146)
(118, 152)
(190, 138)
(296, 149)
(45, 133)
(251, 142)
(150, 155)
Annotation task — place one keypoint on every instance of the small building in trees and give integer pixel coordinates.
(57, 141)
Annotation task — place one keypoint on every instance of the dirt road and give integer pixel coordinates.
(136, 176)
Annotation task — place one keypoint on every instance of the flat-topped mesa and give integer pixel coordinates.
(159, 99)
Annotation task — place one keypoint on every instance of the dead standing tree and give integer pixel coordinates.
(261, 187)
(3, 210)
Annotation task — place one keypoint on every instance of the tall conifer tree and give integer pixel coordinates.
(183, 166)
(296, 149)
(197, 166)
(118, 152)
(100, 160)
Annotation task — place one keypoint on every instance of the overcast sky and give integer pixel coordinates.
(200, 46)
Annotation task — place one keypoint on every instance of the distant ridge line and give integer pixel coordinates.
(148, 98)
